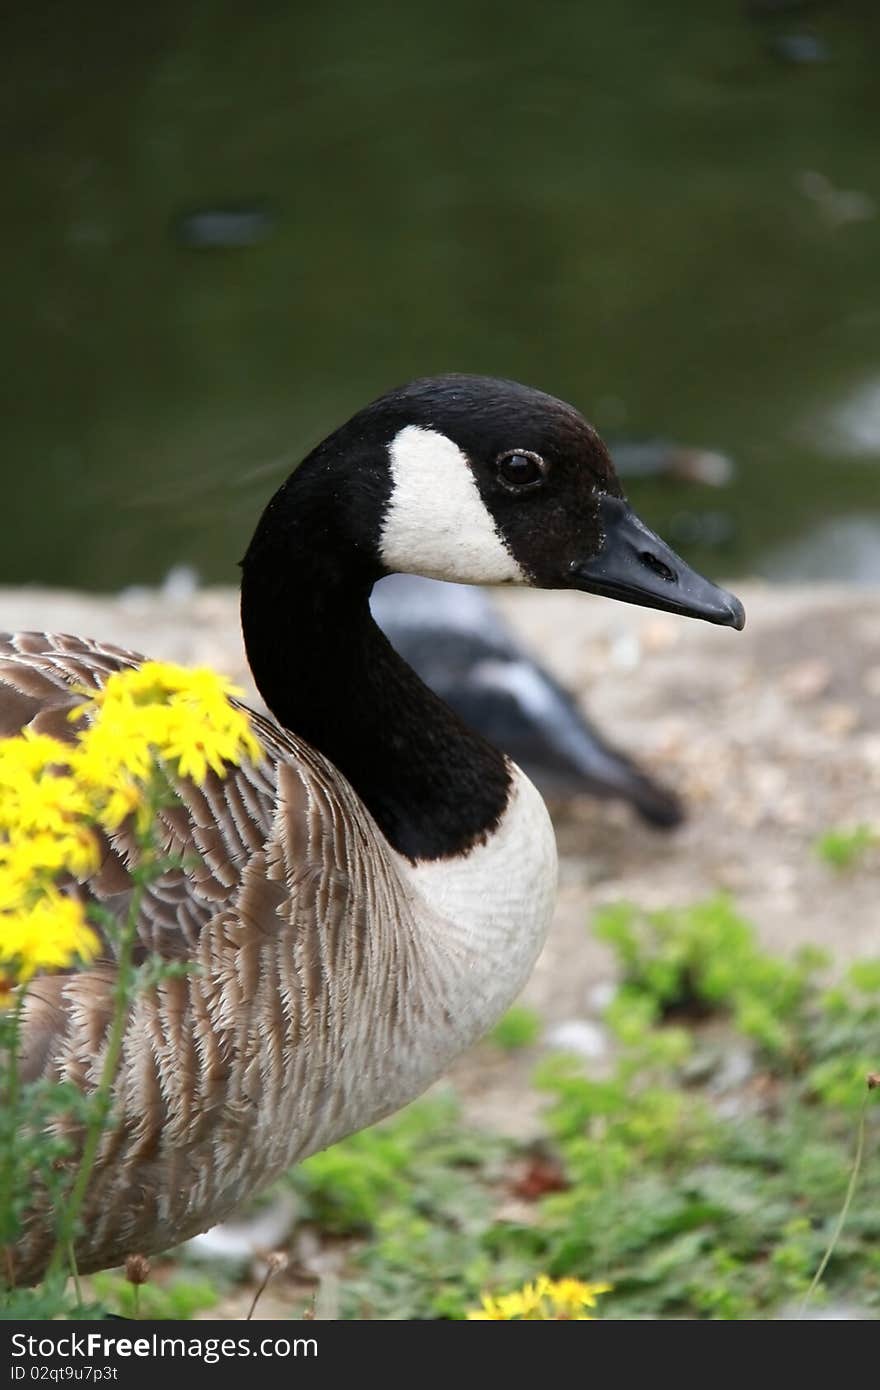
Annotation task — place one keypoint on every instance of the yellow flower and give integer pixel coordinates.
(126, 799)
(545, 1300)
(162, 711)
(51, 934)
(114, 748)
(142, 725)
(573, 1294)
(506, 1307)
(489, 1312)
(37, 791)
(29, 753)
(30, 857)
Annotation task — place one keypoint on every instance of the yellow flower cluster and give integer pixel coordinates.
(162, 711)
(548, 1300)
(54, 796)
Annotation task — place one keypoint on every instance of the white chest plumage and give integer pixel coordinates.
(459, 941)
(483, 916)
(452, 943)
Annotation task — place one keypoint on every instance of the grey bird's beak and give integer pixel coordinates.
(636, 566)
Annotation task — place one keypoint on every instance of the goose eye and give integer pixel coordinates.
(519, 470)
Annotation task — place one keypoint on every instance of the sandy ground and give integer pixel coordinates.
(772, 735)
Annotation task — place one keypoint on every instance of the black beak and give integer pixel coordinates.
(636, 566)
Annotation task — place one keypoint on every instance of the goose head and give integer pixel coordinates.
(483, 481)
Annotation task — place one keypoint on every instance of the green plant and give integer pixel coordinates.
(705, 958)
(843, 847)
(520, 1027)
(692, 1200)
(178, 1299)
(140, 729)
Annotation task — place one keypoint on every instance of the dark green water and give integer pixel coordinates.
(632, 204)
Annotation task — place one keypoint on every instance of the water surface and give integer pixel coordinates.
(640, 207)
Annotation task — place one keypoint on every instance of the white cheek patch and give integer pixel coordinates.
(436, 523)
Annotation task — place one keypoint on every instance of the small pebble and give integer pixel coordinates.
(579, 1036)
(626, 651)
(806, 679)
(238, 1241)
(600, 995)
(735, 1067)
(658, 635)
(838, 720)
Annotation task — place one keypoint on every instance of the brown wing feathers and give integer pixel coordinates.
(263, 912)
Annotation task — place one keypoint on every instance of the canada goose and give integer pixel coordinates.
(453, 636)
(373, 895)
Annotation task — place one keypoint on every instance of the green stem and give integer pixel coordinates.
(104, 1093)
(71, 1260)
(850, 1193)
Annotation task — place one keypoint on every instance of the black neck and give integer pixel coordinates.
(329, 674)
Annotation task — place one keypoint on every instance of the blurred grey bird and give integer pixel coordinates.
(455, 639)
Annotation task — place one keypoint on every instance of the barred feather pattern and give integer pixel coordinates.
(329, 982)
